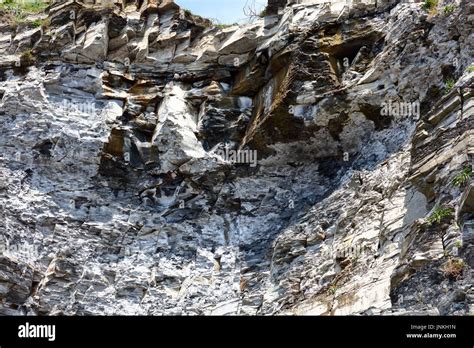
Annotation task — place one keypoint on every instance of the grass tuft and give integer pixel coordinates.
(24, 7)
(449, 84)
(27, 59)
(448, 9)
(463, 177)
(439, 214)
(430, 6)
(453, 268)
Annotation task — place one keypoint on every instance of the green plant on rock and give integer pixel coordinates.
(332, 289)
(223, 26)
(27, 58)
(187, 12)
(463, 177)
(448, 9)
(449, 84)
(429, 5)
(471, 68)
(44, 23)
(16, 12)
(34, 6)
(24, 7)
(37, 23)
(453, 268)
(6, 4)
(439, 214)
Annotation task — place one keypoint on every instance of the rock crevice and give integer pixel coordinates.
(315, 161)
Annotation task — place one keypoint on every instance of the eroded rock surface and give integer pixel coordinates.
(153, 163)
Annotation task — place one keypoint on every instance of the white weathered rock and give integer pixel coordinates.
(112, 173)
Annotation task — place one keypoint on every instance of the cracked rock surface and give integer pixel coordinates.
(153, 163)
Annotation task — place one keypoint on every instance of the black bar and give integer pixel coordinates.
(243, 331)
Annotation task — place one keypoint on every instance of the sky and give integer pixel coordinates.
(224, 11)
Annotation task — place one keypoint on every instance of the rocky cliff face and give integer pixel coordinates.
(316, 161)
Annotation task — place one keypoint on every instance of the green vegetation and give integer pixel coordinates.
(223, 26)
(439, 214)
(429, 5)
(332, 289)
(458, 244)
(463, 177)
(23, 7)
(27, 58)
(17, 11)
(37, 23)
(453, 268)
(449, 84)
(40, 23)
(187, 12)
(263, 14)
(471, 68)
(448, 9)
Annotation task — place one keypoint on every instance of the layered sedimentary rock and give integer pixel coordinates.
(315, 161)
